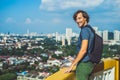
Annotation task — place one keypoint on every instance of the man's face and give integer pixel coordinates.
(80, 20)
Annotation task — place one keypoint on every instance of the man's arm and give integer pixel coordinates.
(80, 55)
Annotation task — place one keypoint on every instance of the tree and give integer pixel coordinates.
(8, 76)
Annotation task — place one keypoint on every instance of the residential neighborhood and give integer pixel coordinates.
(31, 57)
(37, 56)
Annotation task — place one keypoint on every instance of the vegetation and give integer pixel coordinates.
(8, 76)
(111, 51)
(49, 46)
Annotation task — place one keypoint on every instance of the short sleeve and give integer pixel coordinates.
(85, 34)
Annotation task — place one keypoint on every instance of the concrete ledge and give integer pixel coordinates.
(106, 63)
(60, 75)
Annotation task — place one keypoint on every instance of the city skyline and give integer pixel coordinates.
(48, 16)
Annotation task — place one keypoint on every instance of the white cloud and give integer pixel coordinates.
(10, 20)
(112, 7)
(112, 4)
(28, 21)
(52, 5)
(117, 3)
(56, 20)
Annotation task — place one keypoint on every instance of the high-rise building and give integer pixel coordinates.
(100, 33)
(69, 35)
(116, 35)
(69, 32)
(28, 31)
(105, 35)
(56, 34)
(96, 29)
(5, 39)
(63, 40)
(69, 41)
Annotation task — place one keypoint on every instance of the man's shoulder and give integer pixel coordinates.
(85, 29)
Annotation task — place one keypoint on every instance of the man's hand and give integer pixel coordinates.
(68, 69)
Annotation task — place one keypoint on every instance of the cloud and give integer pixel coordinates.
(28, 21)
(117, 4)
(112, 8)
(52, 5)
(10, 20)
(112, 4)
(56, 20)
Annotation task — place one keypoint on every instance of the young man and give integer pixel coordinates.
(85, 45)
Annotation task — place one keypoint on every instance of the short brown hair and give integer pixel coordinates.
(84, 13)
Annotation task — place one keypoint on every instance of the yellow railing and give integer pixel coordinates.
(106, 68)
(60, 75)
(106, 64)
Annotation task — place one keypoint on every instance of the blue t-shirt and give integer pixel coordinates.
(86, 34)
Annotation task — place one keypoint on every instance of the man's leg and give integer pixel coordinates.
(83, 70)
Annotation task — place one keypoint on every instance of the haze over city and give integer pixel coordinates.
(48, 16)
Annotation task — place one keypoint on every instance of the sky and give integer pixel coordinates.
(50, 16)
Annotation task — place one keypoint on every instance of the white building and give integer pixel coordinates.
(69, 35)
(116, 35)
(1, 65)
(69, 32)
(105, 35)
(96, 29)
(69, 41)
(63, 40)
(100, 33)
(58, 52)
(58, 37)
